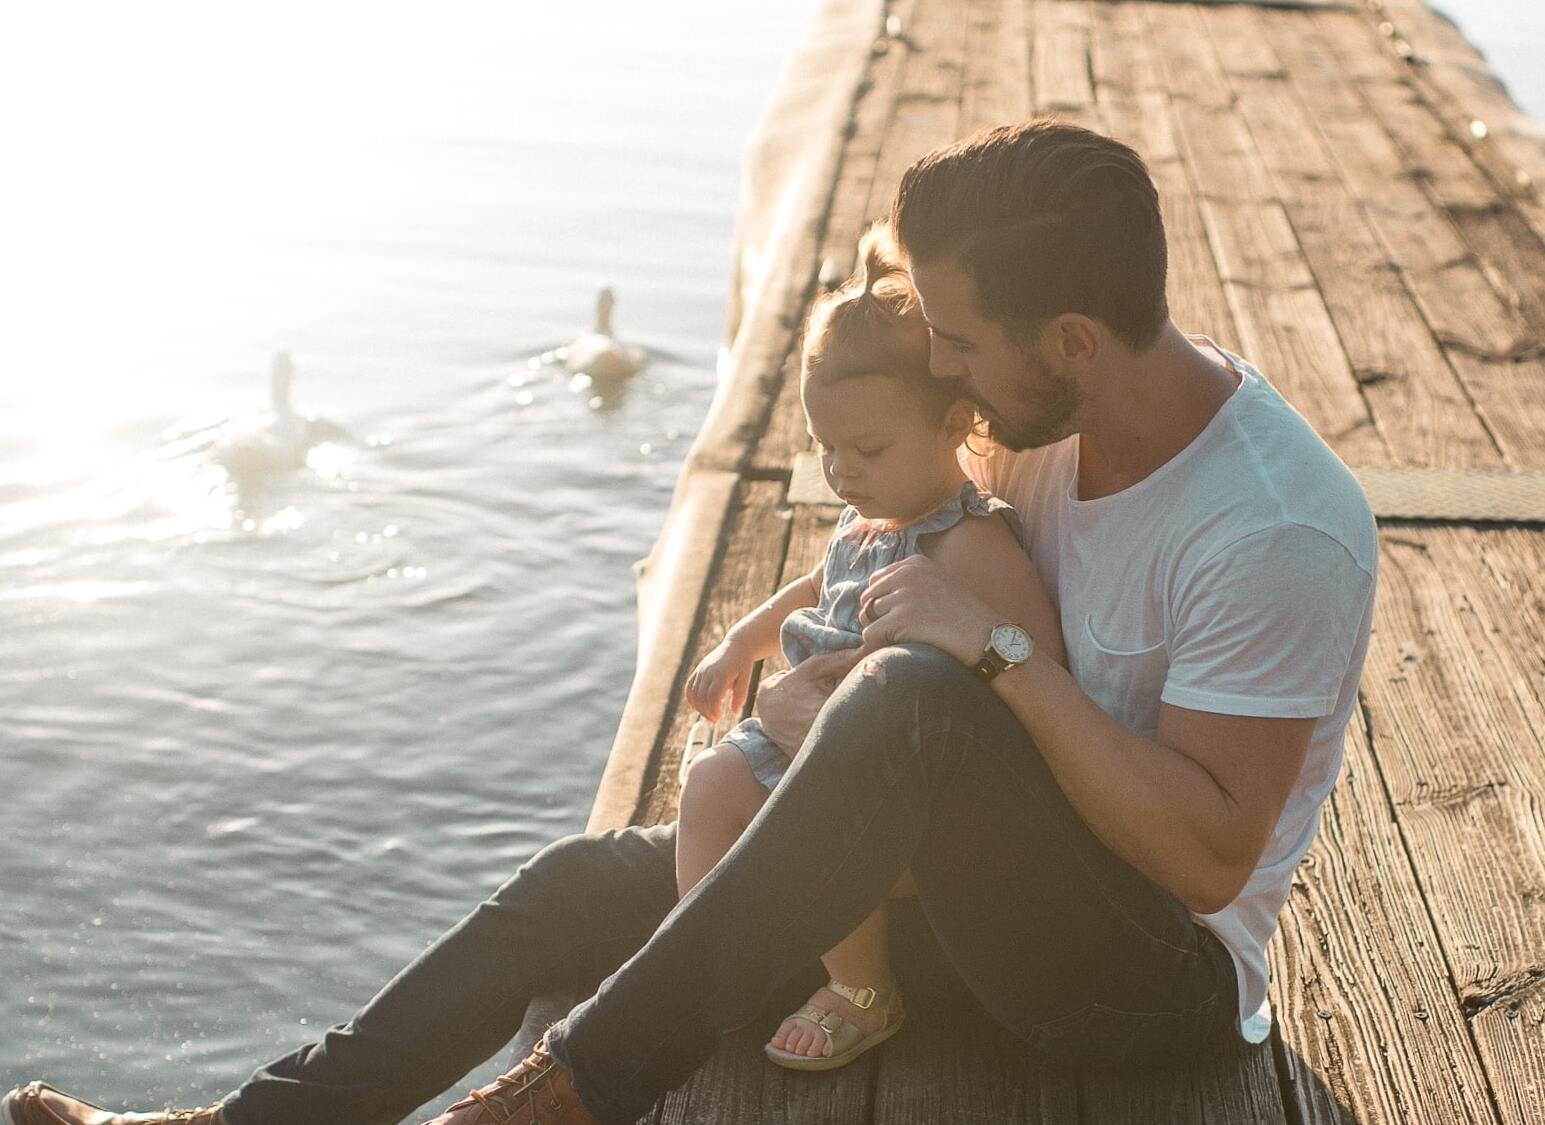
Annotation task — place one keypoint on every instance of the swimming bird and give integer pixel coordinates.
(277, 440)
(597, 353)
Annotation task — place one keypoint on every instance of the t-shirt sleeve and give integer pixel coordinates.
(1267, 626)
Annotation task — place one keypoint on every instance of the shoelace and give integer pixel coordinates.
(493, 1098)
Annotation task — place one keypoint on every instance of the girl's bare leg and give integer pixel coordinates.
(860, 960)
(720, 797)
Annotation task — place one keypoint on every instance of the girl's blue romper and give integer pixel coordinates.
(851, 557)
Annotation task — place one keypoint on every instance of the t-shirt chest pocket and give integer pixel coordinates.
(1124, 678)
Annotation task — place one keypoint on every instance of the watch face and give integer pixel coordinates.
(1012, 643)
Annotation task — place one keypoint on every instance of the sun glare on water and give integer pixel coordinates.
(164, 160)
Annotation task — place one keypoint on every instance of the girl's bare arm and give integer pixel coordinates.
(726, 671)
(756, 634)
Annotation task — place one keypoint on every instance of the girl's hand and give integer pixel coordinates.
(723, 672)
(915, 602)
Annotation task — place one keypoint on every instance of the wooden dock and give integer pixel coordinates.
(1354, 204)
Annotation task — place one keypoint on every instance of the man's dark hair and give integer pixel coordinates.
(1045, 218)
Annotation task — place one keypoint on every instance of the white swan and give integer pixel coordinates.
(278, 440)
(597, 353)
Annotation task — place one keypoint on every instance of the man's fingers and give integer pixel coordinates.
(870, 608)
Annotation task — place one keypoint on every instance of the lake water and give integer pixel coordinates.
(262, 746)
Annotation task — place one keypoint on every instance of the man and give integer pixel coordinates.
(1099, 853)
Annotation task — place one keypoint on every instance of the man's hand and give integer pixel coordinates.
(787, 702)
(915, 602)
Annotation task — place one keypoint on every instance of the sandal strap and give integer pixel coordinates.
(823, 1018)
(863, 998)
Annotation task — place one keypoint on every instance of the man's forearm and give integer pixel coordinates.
(1151, 805)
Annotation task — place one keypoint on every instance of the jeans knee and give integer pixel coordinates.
(910, 671)
(619, 863)
(890, 708)
(557, 864)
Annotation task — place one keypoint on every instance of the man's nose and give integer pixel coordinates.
(944, 362)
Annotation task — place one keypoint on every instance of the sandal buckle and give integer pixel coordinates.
(862, 998)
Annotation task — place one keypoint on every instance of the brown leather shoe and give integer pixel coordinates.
(38, 1103)
(538, 1091)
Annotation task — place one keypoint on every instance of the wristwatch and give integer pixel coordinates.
(1010, 645)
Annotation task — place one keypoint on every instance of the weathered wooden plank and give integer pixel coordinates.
(1513, 561)
(991, 1079)
(927, 110)
(739, 1084)
(1364, 1003)
(1515, 255)
(1491, 214)
(745, 573)
(873, 118)
(1459, 723)
(1418, 403)
(1444, 165)
(1446, 129)
(785, 436)
(1501, 572)
(1130, 92)
(1443, 274)
(1511, 1034)
(1475, 105)
(997, 60)
(1133, 102)
(1284, 325)
(1170, 28)
(1460, 736)
(1061, 79)
(1229, 1085)
(1486, 339)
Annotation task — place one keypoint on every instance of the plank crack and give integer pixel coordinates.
(1508, 992)
(1456, 797)
(1522, 351)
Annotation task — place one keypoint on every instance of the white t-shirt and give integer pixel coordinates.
(1238, 578)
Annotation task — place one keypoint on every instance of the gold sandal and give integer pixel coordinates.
(847, 1040)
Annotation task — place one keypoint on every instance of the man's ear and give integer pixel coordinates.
(1073, 340)
(959, 420)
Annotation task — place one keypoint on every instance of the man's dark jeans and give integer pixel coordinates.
(913, 763)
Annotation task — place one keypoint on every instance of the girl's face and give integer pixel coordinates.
(880, 449)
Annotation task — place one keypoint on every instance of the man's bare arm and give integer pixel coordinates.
(1191, 809)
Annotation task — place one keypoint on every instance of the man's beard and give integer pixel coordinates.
(1048, 411)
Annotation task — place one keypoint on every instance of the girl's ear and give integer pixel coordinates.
(959, 420)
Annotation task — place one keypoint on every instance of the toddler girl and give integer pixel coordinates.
(889, 435)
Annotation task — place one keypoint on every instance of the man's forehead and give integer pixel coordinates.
(947, 294)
